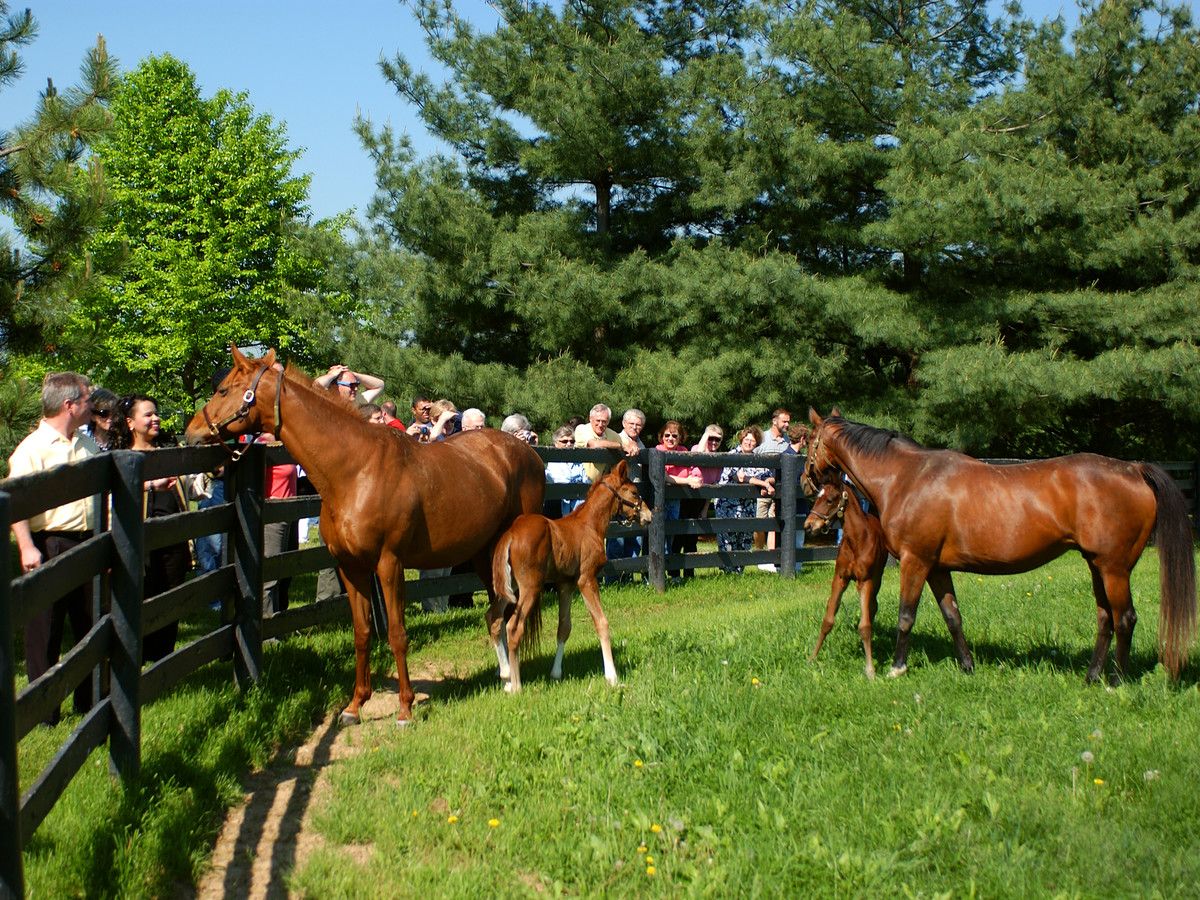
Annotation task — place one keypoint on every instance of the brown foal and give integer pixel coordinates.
(566, 552)
(860, 558)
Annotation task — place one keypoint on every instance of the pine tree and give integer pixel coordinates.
(51, 191)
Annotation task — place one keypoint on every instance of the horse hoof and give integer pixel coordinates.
(897, 671)
(348, 718)
(870, 672)
(508, 688)
(403, 723)
(557, 676)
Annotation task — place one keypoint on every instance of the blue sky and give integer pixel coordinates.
(305, 64)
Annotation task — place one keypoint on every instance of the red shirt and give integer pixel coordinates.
(396, 423)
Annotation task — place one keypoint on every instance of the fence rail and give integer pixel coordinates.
(113, 559)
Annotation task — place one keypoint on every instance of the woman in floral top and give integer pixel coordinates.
(742, 507)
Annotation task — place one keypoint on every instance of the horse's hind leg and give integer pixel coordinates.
(1104, 624)
(498, 634)
(1116, 614)
(868, 592)
(942, 585)
(565, 590)
(591, 598)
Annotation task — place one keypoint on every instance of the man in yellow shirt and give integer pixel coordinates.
(66, 405)
(594, 434)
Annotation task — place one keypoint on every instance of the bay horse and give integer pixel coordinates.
(567, 552)
(386, 501)
(860, 558)
(942, 512)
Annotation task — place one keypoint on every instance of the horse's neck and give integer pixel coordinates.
(318, 437)
(870, 474)
(598, 510)
(853, 518)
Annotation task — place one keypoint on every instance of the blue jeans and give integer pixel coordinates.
(210, 547)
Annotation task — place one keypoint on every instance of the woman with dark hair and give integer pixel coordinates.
(138, 427)
(104, 414)
(671, 440)
(742, 507)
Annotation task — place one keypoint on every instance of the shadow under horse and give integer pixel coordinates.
(387, 501)
(944, 512)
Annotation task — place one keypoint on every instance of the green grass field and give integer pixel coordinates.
(725, 764)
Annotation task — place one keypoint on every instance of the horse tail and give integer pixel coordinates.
(1177, 570)
(533, 629)
(502, 582)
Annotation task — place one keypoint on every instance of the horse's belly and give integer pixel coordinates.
(1002, 556)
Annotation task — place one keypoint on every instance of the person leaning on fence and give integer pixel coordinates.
(670, 440)
(563, 473)
(775, 441)
(594, 434)
(139, 428)
(741, 507)
(57, 440)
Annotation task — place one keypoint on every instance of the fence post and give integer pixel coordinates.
(248, 483)
(786, 509)
(12, 876)
(656, 534)
(125, 660)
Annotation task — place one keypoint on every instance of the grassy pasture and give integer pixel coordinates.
(725, 764)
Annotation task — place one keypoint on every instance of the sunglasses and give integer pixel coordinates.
(102, 413)
(565, 442)
(350, 384)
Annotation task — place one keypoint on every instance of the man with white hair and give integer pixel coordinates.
(473, 419)
(594, 434)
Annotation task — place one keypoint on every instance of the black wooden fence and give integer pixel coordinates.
(112, 559)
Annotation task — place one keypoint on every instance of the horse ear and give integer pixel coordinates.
(269, 359)
(836, 412)
(239, 358)
(622, 470)
(815, 417)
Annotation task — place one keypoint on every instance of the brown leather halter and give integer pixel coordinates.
(248, 398)
(623, 504)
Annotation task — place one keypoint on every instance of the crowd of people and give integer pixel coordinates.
(80, 420)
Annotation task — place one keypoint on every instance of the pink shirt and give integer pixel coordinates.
(679, 471)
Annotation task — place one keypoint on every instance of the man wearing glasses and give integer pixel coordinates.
(58, 440)
(350, 385)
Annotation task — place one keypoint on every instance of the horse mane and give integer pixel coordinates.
(869, 440)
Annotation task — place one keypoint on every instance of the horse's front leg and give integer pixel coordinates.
(841, 580)
(391, 580)
(565, 591)
(913, 572)
(868, 590)
(497, 611)
(942, 585)
(358, 587)
(590, 589)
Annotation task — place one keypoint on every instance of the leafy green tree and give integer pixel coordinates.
(203, 209)
(51, 191)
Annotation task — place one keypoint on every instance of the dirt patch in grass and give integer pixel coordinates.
(270, 833)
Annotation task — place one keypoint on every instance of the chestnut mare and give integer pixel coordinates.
(860, 558)
(943, 512)
(567, 552)
(386, 501)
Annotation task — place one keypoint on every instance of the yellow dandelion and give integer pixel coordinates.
(642, 848)
(755, 682)
(656, 828)
(453, 820)
(650, 870)
(414, 813)
(637, 763)
(649, 860)
(493, 823)
(1097, 781)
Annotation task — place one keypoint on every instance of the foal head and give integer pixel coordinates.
(631, 508)
(828, 506)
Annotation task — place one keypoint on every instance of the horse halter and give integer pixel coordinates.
(214, 428)
(623, 504)
(838, 510)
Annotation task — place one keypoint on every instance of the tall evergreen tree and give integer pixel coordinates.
(51, 191)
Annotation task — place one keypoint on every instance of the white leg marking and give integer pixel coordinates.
(556, 669)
